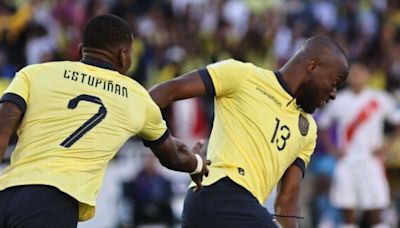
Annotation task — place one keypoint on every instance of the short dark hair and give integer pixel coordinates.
(320, 41)
(106, 32)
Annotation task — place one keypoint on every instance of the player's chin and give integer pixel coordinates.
(308, 106)
(308, 110)
(320, 104)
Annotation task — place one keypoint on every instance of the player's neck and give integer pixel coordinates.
(292, 81)
(357, 90)
(98, 55)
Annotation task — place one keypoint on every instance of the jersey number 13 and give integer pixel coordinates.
(281, 135)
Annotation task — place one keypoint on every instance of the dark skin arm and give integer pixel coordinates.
(175, 155)
(186, 86)
(10, 116)
(287, 200)
(382, 151)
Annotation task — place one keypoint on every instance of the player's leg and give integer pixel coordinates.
(375, 218)
(349, 217)
(224, 204)
(375, 193)
(39, 206)
(343, 193)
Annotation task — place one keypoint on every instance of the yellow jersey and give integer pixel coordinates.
(76, 117)
(258, 129)
(3, 84)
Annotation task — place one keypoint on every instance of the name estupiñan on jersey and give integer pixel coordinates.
(106, 85)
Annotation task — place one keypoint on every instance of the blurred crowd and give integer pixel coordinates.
(175, 36)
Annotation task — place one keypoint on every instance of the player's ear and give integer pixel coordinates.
(312, 64)
(80, 47)
(123, 58)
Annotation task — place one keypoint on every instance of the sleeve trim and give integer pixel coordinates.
(158, 141)
(16, 99)
(301, 164)
(208, 83)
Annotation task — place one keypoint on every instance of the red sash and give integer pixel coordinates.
(364, 114)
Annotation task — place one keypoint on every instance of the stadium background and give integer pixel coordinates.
(176, 36)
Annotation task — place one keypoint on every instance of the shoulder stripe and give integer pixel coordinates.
(158, 141)
(300, 163)
(208, 83)
(16, 99)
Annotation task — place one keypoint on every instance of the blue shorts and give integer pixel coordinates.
(37, 206)
(224, 204)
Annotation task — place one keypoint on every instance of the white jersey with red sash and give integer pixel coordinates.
(360, 120)
(359, 179)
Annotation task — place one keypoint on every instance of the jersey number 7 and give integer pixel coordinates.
(89, 124)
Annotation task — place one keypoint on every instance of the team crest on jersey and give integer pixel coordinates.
(303, 125)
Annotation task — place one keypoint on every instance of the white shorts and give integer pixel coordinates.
(360, 186)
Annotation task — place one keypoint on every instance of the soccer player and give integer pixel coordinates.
(262, 133)
(359, 181)
(72, 117)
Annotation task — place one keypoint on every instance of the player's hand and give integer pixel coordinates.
(339, 153)
(198, 178)
(380, 153)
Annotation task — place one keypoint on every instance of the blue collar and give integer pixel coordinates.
(283, 83)
(98, 63)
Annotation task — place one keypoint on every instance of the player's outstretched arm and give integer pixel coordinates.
(186, 86)
(10, 116)
(287, 207)
(175, 155)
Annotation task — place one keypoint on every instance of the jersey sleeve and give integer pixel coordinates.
(224, 78)
(303, 159)
(18, 91)
(155, 130)
(306, 153)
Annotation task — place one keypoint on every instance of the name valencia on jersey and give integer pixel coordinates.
(106, 85)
